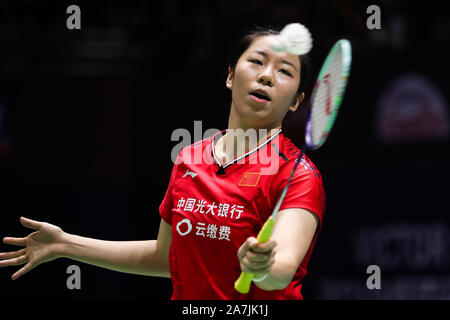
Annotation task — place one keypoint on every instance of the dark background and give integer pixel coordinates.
(87, 117)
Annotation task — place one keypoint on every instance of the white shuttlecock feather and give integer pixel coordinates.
(295, 38)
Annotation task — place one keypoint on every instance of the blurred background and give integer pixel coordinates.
(86, 118)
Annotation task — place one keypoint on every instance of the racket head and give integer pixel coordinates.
(328, 93)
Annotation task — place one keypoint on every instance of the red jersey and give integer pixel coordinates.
(214, 208)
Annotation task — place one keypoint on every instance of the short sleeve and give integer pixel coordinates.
(306, 190)
(165, 208)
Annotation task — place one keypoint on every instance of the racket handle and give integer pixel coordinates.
(266, 231)
(242, 284)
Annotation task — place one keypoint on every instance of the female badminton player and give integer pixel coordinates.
(214, 208)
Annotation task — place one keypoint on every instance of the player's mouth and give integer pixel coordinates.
(260, 96)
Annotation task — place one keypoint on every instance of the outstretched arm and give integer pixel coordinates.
(49, 242)
(149, 257)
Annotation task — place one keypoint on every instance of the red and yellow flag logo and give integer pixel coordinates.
(250, 179)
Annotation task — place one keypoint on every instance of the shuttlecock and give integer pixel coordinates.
(295, 38)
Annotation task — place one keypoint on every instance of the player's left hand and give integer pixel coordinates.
(257, 258)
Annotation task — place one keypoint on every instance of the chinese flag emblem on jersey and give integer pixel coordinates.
(250, 179)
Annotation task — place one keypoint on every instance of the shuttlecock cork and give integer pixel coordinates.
(295, 38)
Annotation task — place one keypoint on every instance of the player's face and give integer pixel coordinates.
(275, 74)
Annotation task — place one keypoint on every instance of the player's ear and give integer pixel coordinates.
(297, 100)
(229, 82)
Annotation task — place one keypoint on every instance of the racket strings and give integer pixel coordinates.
(326, 98)
(328, 93)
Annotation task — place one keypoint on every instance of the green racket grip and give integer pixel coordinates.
(266, 231)
(242, 284)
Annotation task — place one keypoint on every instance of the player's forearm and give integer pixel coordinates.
(281, 274)
(137, 257)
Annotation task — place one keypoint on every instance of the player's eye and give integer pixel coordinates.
(256, 61)
(286, 72)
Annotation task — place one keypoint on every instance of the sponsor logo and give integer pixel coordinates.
(186, 231)
(192, 174)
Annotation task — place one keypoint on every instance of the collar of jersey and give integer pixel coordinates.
(213, 143)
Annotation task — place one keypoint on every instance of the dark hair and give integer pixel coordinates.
(253, 34)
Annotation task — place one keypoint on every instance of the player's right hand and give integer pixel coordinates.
(41, 246)
(257, 258)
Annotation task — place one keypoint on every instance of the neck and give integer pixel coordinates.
(241, 138)
(240, 121)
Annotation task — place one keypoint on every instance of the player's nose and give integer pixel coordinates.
(266, 77)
